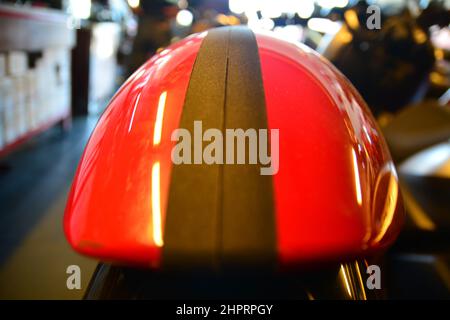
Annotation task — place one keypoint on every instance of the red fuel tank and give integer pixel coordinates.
(332, 193)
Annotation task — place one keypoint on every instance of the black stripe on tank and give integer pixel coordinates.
(248, 227)
(222, 214)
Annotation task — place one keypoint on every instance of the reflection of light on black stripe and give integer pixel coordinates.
(156, 205)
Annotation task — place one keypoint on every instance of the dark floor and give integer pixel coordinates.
(33, 252)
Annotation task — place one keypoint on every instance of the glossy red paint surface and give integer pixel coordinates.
(336, 192)
(118, 199)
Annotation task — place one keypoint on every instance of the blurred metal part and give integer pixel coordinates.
(445, 99)
(344, 281)
(416, 128)
(434, 161)
(415, 211)
(419, 276)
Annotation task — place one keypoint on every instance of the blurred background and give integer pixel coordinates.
(62, 60)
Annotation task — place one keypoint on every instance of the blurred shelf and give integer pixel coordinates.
(44, 32)
(33, 29)
(64, 120)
